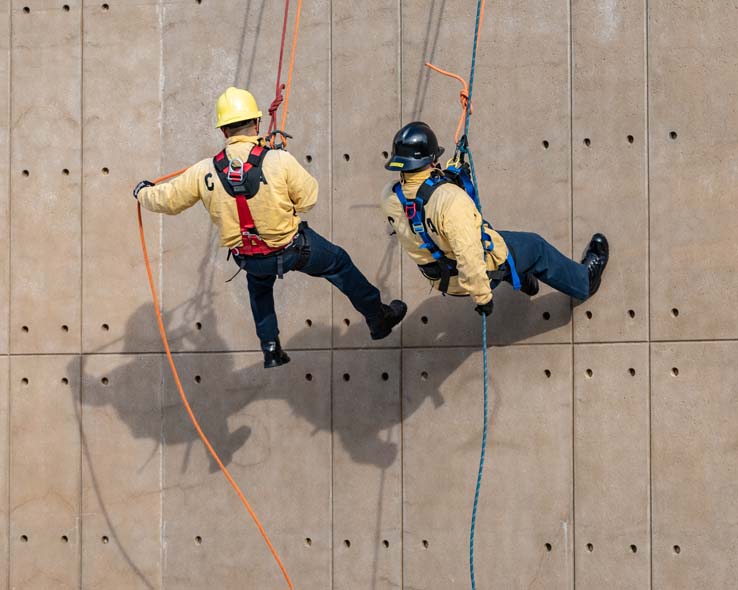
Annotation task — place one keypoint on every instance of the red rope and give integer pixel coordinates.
(278, 98)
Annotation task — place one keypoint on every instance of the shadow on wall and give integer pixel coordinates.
(214, 407)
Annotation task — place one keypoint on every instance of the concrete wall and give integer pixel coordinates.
(612, 455)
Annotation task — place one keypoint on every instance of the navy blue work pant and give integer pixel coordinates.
(534, 255)
(325, 260)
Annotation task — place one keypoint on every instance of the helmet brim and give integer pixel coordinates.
(403, 164)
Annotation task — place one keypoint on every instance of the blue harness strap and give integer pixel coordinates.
(415, 213)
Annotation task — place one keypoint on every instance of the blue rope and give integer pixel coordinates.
(465, 148)
(481, 457)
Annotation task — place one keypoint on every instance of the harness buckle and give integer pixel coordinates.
(235, 171)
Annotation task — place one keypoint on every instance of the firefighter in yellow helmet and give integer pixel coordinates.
(439, 226)
(254, 195)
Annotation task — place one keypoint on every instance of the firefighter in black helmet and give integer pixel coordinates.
(439, 226)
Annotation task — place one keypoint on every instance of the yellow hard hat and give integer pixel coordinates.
(236, 105)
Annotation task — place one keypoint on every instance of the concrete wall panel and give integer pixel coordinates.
(4, 174)
(609, 163)
(694, 168)
(367, 480)
(522, 98)
(366, 115)
(524, 520)
(695, 478)
(272, 430)
(44, 473)
(121, 145)
(611, 472)
(45, 178)
(199, 63)
(121, 471)
(4, 470)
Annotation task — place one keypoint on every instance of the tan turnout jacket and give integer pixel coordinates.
(289, 190)
(454, 224)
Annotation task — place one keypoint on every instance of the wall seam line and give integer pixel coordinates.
(9, 276)
(647, 157)
(402, 329)
(331, 181)
(81, 276)
(571, 328)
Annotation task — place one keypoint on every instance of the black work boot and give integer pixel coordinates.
(529, 285)
(274, 356)
(392, 314)
(595, 259)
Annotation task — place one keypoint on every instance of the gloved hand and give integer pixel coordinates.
(486, 308)
(141, 185)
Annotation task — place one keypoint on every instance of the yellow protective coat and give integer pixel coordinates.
(289, 190)
(454, 224)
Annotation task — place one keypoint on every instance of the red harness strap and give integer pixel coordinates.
(234, 180)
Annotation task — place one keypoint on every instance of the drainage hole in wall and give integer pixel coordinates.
(308, 376)
(589, 373)
(547, 372)
(673, 135)
(26, 173)
(65, 172)
(104, 381)
(674, 372)
(24, 538)
(24, 329)
(346, 543)
(590, 547)
(587, 141)
(424, 320)
(631, 313)
(346, 322)
(549, 547)
(65, 8)
(24, 380)
(308, 158)
(105, 327)
(105, 171)
(106, 6)
(631, 139)
(424, 376)
(385, 376)
(545, 144)
(588, 314)
(308, 541)
(385, 155)
(65, 381)
(198, 540)
(105, 539)
(308, 322)
(198, 325)
(346, 377)
(65, 328)
(632, 372)
(425, 543)
(64, 539)
(677, 549)
(346, 157)
(634, 549)
(546, 315)
(198, 379)
(26, 9)
(385, 543)
(674, 312)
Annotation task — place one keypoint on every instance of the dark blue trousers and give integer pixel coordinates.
(325, 260)
(534, 255)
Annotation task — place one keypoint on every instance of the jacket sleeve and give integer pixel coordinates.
(462, 226)
(174, 196)
(302, 188)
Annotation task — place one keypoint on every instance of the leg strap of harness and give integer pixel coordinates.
(303, 248)
(445, 275)
(513, 271)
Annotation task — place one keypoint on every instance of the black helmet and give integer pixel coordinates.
(414, 146)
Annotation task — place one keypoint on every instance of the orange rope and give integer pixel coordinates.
(293, 51)
(463, 97)
(187, 406)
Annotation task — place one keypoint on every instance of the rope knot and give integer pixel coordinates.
(464, 99)
(277, 101)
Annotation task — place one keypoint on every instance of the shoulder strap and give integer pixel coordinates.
(415, 213)
(245, 180)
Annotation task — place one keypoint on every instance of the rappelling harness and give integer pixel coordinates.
(443, 268)
(242, 181)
